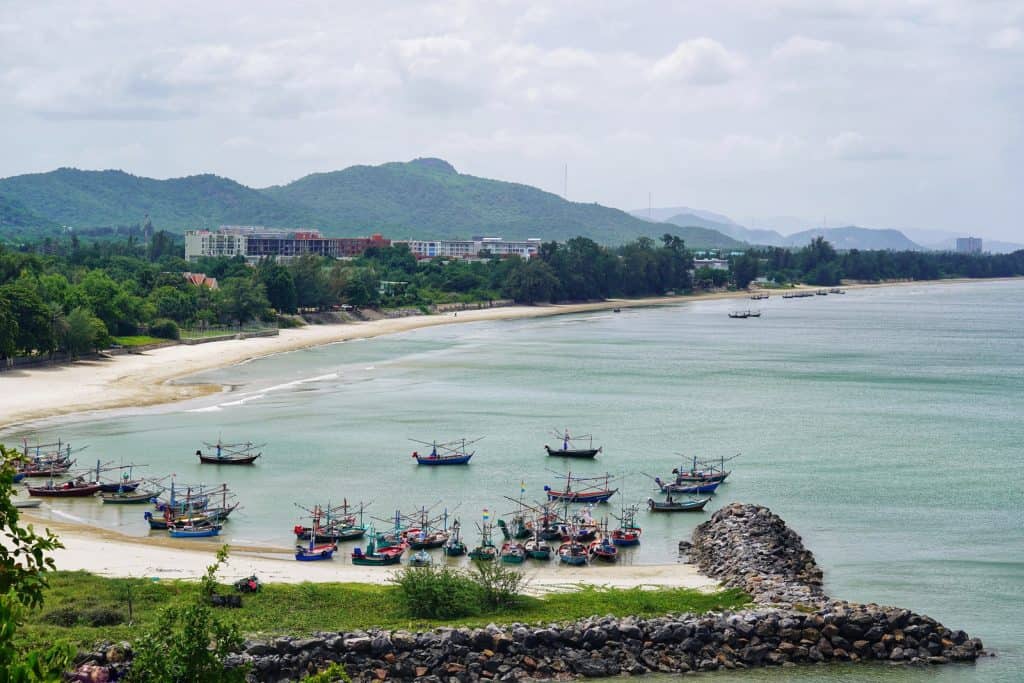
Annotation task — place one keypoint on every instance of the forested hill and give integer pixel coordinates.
(422, 198)
(91, 199)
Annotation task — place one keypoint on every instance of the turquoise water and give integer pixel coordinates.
(884, 425)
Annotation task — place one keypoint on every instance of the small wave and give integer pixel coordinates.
(243, 401)
(207, 409)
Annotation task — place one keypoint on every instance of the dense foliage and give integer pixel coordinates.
(819, 263)
(423, 198)
(23, 566)
(446, 593)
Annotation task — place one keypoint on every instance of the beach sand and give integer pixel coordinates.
(107, 553)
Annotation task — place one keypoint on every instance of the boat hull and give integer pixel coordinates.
(214, 460)
(442, 460)
(691, 487)
(129, 499)
(578, 497)
(687, 506)
(316, 554)
(572, 452)
(205, 532)
(57, 492)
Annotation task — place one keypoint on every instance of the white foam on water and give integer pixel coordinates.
(207, 409)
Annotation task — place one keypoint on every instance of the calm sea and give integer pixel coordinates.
(884, 425)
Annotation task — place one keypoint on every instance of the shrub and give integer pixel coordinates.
(335, 673)
(165, 329)
(437, 592)
(62, 616)
(499, 586)
(103, 616)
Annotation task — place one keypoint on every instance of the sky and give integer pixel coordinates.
(879, 113)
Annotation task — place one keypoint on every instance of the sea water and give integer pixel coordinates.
(884, 425)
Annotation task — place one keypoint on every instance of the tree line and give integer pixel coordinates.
(70, 297)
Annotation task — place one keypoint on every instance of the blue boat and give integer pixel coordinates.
(197, 531)
(18, 476)
(687, 487)
(451, 453)
(313, 553)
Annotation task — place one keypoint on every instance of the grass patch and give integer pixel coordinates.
(75, 602)
(137, 340)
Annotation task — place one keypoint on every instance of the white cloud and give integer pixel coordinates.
(701, 61)
(1007, 38)
(799, 47)
(854, 146)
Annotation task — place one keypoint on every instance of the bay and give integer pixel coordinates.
(884, 425)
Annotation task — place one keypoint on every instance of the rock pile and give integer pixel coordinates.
(611, 646)
(744, 546)
(751, 548)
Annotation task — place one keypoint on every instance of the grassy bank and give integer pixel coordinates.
(84, 608)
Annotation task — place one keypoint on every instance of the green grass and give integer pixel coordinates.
(137, 340)
(300, 609)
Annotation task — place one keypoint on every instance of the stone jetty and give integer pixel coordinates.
(744, 546)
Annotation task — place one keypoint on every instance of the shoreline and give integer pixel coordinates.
(110, 554)
(148, 379)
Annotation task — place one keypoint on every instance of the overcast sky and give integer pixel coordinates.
(883, 113)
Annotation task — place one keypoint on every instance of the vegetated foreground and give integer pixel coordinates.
(86, 609)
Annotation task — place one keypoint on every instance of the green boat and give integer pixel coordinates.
(513, 553)
(454, 547)
(485, 552)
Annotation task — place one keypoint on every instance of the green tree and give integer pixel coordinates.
(174, 303)
(311, 284)
(242, 300)
(280, 285)
(84, 332)
(24, 562)
(744, 270)
(531, 281)
(34, 328)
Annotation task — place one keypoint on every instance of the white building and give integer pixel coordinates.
(208, 243)
(471, 248)
(712, 263)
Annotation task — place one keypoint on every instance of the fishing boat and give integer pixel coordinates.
(691, 487)
(518, 527)
(420, 558)
(314, 552)
(18, 476)
(704, 471)
(628, 532)
(454, 547)
(485, 552)
(672, 505)
(77, 488)
(569, 449)
(594, 490)
(836, 290)
(198, 530)
(573, 554)
(451, 453)
(512, 553)
(616, 310)
(537, 549)
(376, 556)
(760, 296)
(30, 503)
(744, 314)
(134, 497)
(337, 525)
(230, 453)
(822, 292)
(604, 550)
(46, 460)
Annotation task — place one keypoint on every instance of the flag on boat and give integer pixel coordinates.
(487, 514)
(522, 487)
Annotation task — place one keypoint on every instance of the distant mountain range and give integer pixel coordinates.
(424, 198)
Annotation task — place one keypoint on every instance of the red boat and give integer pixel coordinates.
(71, 489)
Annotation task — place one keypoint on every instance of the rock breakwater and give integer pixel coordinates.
(745, 546)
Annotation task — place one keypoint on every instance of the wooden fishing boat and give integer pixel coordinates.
(671, 505)
(376, 556)
(569, 449)
(338, 525)
(759, 296)
(134, 497)
(454, 547)
(589, 493)
(70, 489)
(822, 292)
(836, 290)
(628, 533)
(194, 530)
(50, 470)
(424, 540)
(451, 453)
(22, 504)
(420, 558)
(691, 487)
(314, 551)
(704, 471)
(231, 454)
(537, 549)
(512, 553)
(574, 554)
(604, 550)
(485, 552)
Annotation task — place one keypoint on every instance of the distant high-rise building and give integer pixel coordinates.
(968, 245)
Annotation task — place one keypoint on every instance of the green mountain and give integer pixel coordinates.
(424, 198)
(18, 223)
(89, 199)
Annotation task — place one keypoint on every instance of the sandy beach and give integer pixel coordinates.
(107, 553)
(136, 380)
